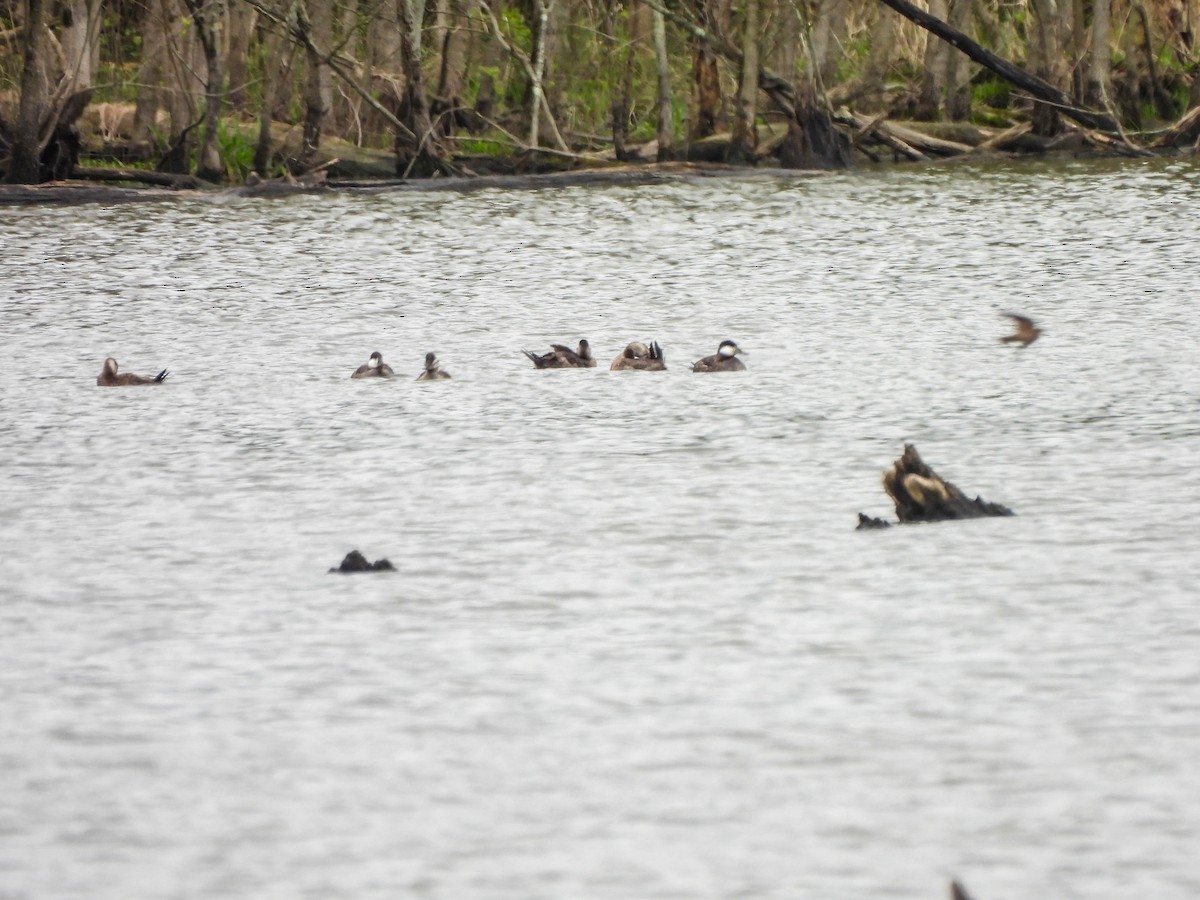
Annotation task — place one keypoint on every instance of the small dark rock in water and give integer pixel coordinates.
(356, 562)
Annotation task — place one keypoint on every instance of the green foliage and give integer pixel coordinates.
(482, 147)
(516, 30)
(992, 92)
(237, 151)
(96, 162)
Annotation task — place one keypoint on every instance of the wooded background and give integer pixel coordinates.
(212, 87)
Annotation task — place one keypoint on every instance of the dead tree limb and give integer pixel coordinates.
(1040, 89)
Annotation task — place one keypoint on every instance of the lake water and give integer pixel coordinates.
(634, 647)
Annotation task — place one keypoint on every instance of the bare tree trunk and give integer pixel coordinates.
(929, 100)
(24, 165)
(276, 80)
(206, 15)
(706, 74)
(828, 38)
(1099, 59)
(745, 133)
(181, 84)
(958, 89)
(151, 72)
(317, 21)
(812, 141)
(456, 45)
(423, 154)
(623, 93)
(79, 40)
(666, 130)
(1048, 53)
(542, 10)
(879, 55)
(242, 21)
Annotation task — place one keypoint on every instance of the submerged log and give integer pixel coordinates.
(921, 495)
(356, 562)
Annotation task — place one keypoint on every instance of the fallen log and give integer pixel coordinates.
(878, 129)
(140, 176)
(1186, 130)
(921, 495)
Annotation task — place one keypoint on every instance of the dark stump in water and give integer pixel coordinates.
(356, 562)
(921, 495)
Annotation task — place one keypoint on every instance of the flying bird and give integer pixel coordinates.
(1026, 332)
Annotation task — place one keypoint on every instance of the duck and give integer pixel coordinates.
(724, 360)
(374, 367)
(1026, 332)
(561, 357)
(642, 357)
(109, 377)
(432, 370)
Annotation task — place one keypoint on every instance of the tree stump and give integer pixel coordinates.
(921, 495)
(356, 562)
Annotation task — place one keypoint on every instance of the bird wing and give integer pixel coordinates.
(1022, 322)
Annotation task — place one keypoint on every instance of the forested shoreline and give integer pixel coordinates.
(185, 92)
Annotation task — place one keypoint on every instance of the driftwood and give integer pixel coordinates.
(921, 495)
(878, 129)
(356, 562)
(908, 142)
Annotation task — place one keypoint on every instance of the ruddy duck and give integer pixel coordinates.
(432, 370)
(108, 376)
(724, 360)
(1026, 332)
(561, 357)
(375, 367)
(641, 357)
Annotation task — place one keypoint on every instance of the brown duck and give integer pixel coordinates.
(561, 357)
(109, 377)
(641, 357)
(433, 369)
(374, 367)
(724, 360)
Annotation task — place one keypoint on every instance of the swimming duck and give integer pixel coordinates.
(375, 367)
(561, 357)
(432, 370)
(724, 360)
(108, 376)
(641, 357)
(1026, 332)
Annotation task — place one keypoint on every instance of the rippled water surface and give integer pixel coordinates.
(634, 647)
